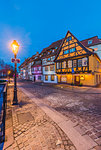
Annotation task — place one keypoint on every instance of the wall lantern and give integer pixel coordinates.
(82, 77)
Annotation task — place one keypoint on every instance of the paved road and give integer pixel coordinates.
(82, 105)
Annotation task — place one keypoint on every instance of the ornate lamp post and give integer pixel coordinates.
(15, 48)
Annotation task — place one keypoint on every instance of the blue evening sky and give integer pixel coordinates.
(35, 24)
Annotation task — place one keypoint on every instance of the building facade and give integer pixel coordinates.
(48, 64)
(36, 69)
(77, 64)
(94, 43)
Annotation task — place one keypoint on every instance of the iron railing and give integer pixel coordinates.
(3, 94)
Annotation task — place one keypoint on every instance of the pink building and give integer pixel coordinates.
(36, 69)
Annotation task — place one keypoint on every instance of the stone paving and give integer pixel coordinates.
(82, 106)
(34, 130)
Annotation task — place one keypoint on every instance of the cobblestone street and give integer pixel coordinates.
(33, 129)
(82, 106)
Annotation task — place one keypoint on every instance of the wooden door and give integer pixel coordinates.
(77, 80)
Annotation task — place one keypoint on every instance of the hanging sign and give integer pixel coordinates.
(15, 60)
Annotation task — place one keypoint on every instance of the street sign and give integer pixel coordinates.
(72, 70)
(15, 60)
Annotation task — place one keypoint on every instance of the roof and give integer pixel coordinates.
(95, 41)
(53, 45)
(89, 50)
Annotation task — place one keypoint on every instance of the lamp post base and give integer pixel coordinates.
(15, 100)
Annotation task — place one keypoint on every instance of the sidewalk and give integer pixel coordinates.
(29, 128)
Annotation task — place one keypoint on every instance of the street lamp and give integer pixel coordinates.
(15, 47)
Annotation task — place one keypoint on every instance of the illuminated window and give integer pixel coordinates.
(64, 64)
(84, 61)
(52, 77)
(46, 68)
(74, 63)
(70, 64)
(79, 62)
(52, 68)
(46, 77)
(72, 50)
(58, 65)
(90, 42)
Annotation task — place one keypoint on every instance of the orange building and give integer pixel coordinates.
(77, 64)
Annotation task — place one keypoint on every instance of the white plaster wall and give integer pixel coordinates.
(98, 51)
(49, 79)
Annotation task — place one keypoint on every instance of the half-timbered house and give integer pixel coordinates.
(77, 64)
(36, 68)
(48, 64)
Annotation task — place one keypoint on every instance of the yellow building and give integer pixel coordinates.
(76, 63)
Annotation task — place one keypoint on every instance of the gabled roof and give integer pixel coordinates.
(88, 50)
(95, 41)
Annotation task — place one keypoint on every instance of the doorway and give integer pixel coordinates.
(34, 78)
(77, 80)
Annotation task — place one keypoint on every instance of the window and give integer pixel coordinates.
(74, 63)
(57, 65)
(48, 59)
(97, 64)
(66, 51)
(69, 39)
(72, 50)
(90, 42)
(64, 64)
(46, 68)
(39, 77)
(35, 69)
(38, 68)
(52, 68)
(70, 64)
(52, 77)
(63, 79)
(46, 77)
(53, 50)
(84, 61)
(79, 62)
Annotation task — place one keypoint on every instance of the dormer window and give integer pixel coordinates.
(90, 42)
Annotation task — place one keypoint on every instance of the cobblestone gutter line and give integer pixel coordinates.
(82, 142)
(33, 129)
